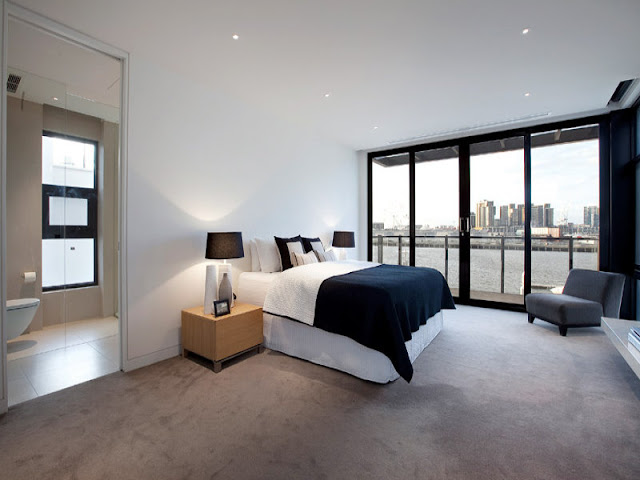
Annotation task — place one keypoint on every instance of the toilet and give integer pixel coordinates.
(20, 312)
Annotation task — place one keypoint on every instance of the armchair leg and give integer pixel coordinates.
(531, 317)
(563, 330)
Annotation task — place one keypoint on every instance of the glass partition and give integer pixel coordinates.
(390, 209)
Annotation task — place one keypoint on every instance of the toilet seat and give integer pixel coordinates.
(22, 303)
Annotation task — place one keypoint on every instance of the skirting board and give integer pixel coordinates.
(151, 358)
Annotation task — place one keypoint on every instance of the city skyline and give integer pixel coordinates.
(564, 175)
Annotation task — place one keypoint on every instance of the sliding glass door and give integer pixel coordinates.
(437, 212)
(498, 215)
(497, 220)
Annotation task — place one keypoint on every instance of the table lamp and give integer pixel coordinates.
(343, 239)
(221, 246)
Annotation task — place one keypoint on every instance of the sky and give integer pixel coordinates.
(565, 175)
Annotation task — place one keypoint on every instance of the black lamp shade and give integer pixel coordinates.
(343, 239)
(224, 245)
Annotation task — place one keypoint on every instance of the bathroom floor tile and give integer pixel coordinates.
(14, 371)
(60, 336)
(20, 390)
(72, 374)
(61, 356)
(57, 359)
(108, 347)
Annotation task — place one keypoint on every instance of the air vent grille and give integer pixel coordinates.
(620, 91)
(12, 83)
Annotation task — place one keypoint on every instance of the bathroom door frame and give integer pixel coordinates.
(11, 10)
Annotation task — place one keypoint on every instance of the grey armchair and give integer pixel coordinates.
(587, 297)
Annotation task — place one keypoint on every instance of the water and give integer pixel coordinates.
(549, 269)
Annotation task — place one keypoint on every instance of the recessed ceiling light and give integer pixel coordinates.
(54, 99)
(527, 94)
(327, 95)
(376, 127)
(235, 37)
(525, 31)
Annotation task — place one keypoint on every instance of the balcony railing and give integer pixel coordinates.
(502, 243)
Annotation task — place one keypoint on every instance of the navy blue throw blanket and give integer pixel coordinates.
(380, 307)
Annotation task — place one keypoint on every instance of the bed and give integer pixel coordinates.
(297, 324)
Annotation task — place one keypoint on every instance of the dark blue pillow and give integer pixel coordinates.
(306, 243)
(285, 257)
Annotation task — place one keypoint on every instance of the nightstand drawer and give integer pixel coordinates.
(236, 333)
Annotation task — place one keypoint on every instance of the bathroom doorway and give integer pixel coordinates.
(63, 163)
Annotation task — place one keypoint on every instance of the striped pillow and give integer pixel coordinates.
(298, 259)
(316, 246)
(328, 256)
(293, 248)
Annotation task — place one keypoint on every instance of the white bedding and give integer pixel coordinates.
(293, 293)
(253, 287)
(313, 344)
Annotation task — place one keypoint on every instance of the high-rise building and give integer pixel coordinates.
(537, 216)
(592, 216)
(547, 220)
(504, 216)
(485, 214)
(520, 215)
(513, 215)
(472, 220)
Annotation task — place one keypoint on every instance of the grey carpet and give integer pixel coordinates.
(493, 397)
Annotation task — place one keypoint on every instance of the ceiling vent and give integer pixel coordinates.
(620, 91)
(12, 83)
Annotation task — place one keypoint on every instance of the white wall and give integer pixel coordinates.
(201, 160)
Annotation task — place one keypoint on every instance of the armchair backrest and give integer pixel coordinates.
(602, 287)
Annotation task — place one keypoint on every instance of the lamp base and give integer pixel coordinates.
(210, 288)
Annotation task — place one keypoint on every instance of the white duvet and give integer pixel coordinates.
(293, 294)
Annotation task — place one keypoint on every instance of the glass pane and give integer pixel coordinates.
(67, 261)
(68, 162)
(565, 211)
(68, 211)
(497, 220)
(390, 206)
(437, 213)
(52, 262)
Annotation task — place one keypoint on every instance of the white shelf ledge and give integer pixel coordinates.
(617, 331)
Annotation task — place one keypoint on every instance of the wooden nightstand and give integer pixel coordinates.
(222, 338)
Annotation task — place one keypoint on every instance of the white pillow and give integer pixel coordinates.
(268, 255)
(328, 256)
(255, 260)
(298, 259)
(316, 246)
(294, 247)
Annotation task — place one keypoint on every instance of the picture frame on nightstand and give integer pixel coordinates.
(221, 308)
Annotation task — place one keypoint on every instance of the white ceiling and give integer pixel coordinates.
(415, 69)
(59, 73)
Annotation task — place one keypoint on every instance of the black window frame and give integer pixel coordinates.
(463, 144)
(90, 231)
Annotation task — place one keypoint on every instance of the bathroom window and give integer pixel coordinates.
(69, 212)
